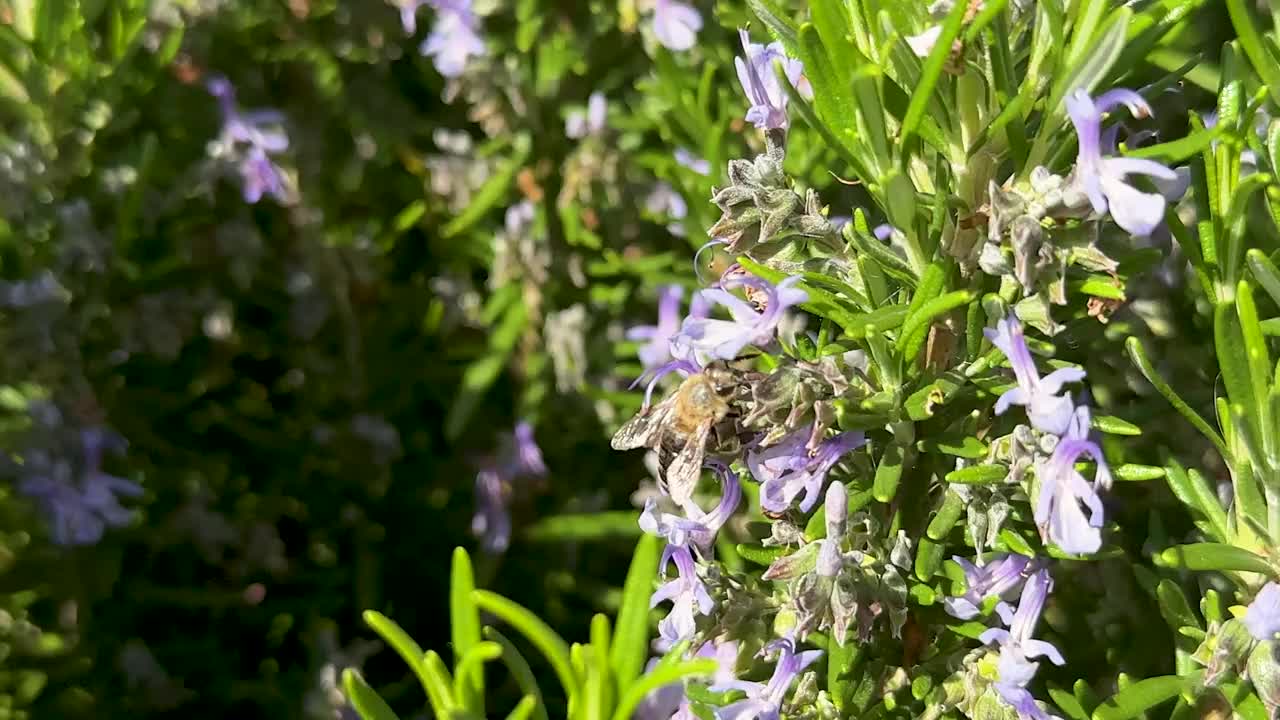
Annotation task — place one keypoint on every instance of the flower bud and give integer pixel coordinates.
(830, 560)
(837, 507)
(784, 622)
(1223, 650)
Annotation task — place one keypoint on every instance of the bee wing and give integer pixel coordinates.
(683, 472)
(643, 430)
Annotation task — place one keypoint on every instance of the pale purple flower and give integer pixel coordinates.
(1046, 409)
(768, 98)
(80, 508)
(664, 200)
(788, 468)
(693, 162)
(528, 456)
(519, 217)
(669, 702)
(254, 135)
(999, 578)
(409, 13)
(658, 350)
(520, 457)
(686, 593)
(259, 176)
(697, 528)
(1017, 648)
(41, 289)
(1262, 617)
(676, 24)
(664, 703)
(454, 38)
(830, 558)
(1103, 179)
(580, 124)
(764, 700)
(492, 520)
(1063, 490)
(724, 339)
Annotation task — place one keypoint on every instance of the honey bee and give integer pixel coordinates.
(701, 411)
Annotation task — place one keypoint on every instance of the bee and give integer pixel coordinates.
(701, 411)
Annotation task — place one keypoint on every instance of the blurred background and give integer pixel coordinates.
(279, 283)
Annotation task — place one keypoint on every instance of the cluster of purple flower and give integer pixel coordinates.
(519, 458)
(68, 484)
(252, 137)
(793, 468)
(1062, 490)
(454, 38)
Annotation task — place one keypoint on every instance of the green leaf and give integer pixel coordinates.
(869, 247)
(945, 518)
(1138, 354)
(598, 686)
(439, 684)
(1140, 697)
(1087, 17)
(779, 24)
(551, 645)
(631, 646)
(978, 474)
(1264, 271)
(492, 191)
(910, 340)
(1067, 703)
(364, 699)
(1112, 425)
(929, 557)
(464, 630)
(876, 321)
(1215, 556)
(1252, 41)
(889, 472)
(931, 71)
(1233, 358)
(1258, 360)
(399, 641)
(832, 20)
(1174, 606)
(841, 662)
(1176, 151)
(805, 110)
(760, 555)
(1137, 473)
(660, 676)
(472, 663)
(1089, 70)
(1194, 492)
(831, 90)
(1091, 67)
(520, 670)
(524, 709)
(965, 446)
